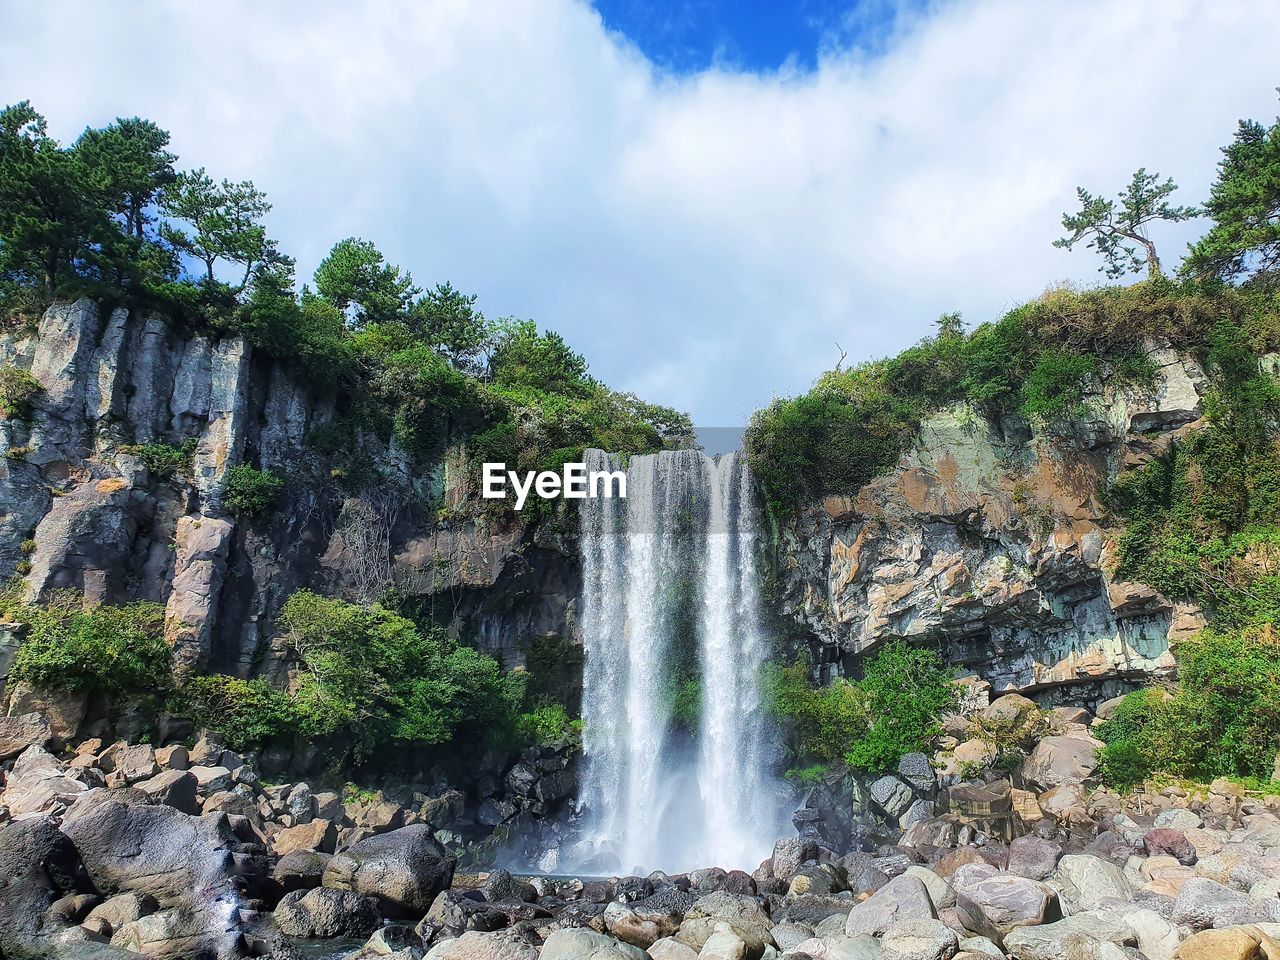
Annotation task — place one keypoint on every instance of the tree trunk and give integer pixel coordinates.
(1153, 262)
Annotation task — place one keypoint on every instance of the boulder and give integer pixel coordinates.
(175, 757)
(1033, 857)
(319, 835)
(1170, 842)
(38, 865)
(892, 796)
(503, 945)
(20, 732)
(1077, 937)
(1058, 761)
(790, 854)
(745, 915)
(1202, 903)
(122, 909)
(919, 939)
(211, 779)
(638, 925)
(38, 781)
(582, 944)
(917, 770)
(995, 905)
(183, 862)
(404, 869)
(1087, 880)
(134, 763)
(724, 944)
(300, 870)
(175, 934)
(324, 914)
(902, 898)
(174, 788)
(1236, 944)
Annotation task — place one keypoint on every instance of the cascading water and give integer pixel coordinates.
(678, 763)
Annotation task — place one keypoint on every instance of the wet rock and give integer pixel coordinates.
(403, 869)
(324, 913)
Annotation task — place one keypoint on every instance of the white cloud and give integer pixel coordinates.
(703, 239)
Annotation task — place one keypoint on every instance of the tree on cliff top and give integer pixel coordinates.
(356, 279)
(1245, 206)
(226, 221)
(129, 166)
(1107, 228)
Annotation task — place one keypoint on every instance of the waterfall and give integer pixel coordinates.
(671, 605)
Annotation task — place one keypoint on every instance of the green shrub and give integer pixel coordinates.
(17, 389)
(110, 649)
(244, 713)
(547, 725)
(1037, 361)
(163, 460)
(1222, 718)
(251, 492)
(871, 723)
(907, 690)
(374, 677)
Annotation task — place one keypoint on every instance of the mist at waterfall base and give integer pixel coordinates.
(671, 613)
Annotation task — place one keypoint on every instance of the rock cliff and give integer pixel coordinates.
(989, 539)
(79, 508)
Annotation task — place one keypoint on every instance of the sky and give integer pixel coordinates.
(705, 197)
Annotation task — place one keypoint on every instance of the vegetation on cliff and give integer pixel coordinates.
(110, 216)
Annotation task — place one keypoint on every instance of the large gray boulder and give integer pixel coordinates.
(18, 733)
(324, 914)
(902, 898)
(919, 940)
(581, 944)
(403, 869)
(996, 905)
(38, 864)
(38, 782)
(1058, 761)
(1086, 881)
(472, 945)
(183, 862)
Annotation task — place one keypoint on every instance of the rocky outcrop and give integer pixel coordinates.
(989, 540)
(79, 508)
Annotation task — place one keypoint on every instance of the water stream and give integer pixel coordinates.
(679, 767)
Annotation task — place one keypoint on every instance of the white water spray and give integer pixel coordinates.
(670, 595)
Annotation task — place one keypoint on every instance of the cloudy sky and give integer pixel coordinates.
(703, 197)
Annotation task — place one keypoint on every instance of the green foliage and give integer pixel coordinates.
(1244, 204)
(1036, 362)
(163, 460)
(109, 649)
(17, 389)
(870, 723)
(1114, 232)
(244, 713)
(1221, 719)
(225, 222)
(906, 690)
(547, 726)
(372, 678)
(357, 280)
(807, 776)
(251, 492)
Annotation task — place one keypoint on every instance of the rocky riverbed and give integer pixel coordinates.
(182, 852)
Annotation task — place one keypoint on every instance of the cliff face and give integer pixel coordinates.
(80, 510)
(988, 538)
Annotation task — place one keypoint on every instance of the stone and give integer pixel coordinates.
(995, 905)
(1012, 708)
(175, 933)
(1058, 761)
(301, 804)
(724, 944)
(19, 733)
(640, 927)
(919, 939)
(328, 806)
(1219, 945)
(63, 710)
(1202, 903)
(324, 914)
(902, 898)
(174, 788)
(300, 870)
(473, 945)
(404, 869)
(1033, 857)
(892, 796)
(746, 915)
(211, 779)
(37, 782)
(1077, 937)
(501, 885)
(175, 757)
(1087, 880)
(124, 908)
(136, 762)
(1170, 842)
(318, 835)
(577, 943)
(940, 892)
(790, 854)
(917, 770)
